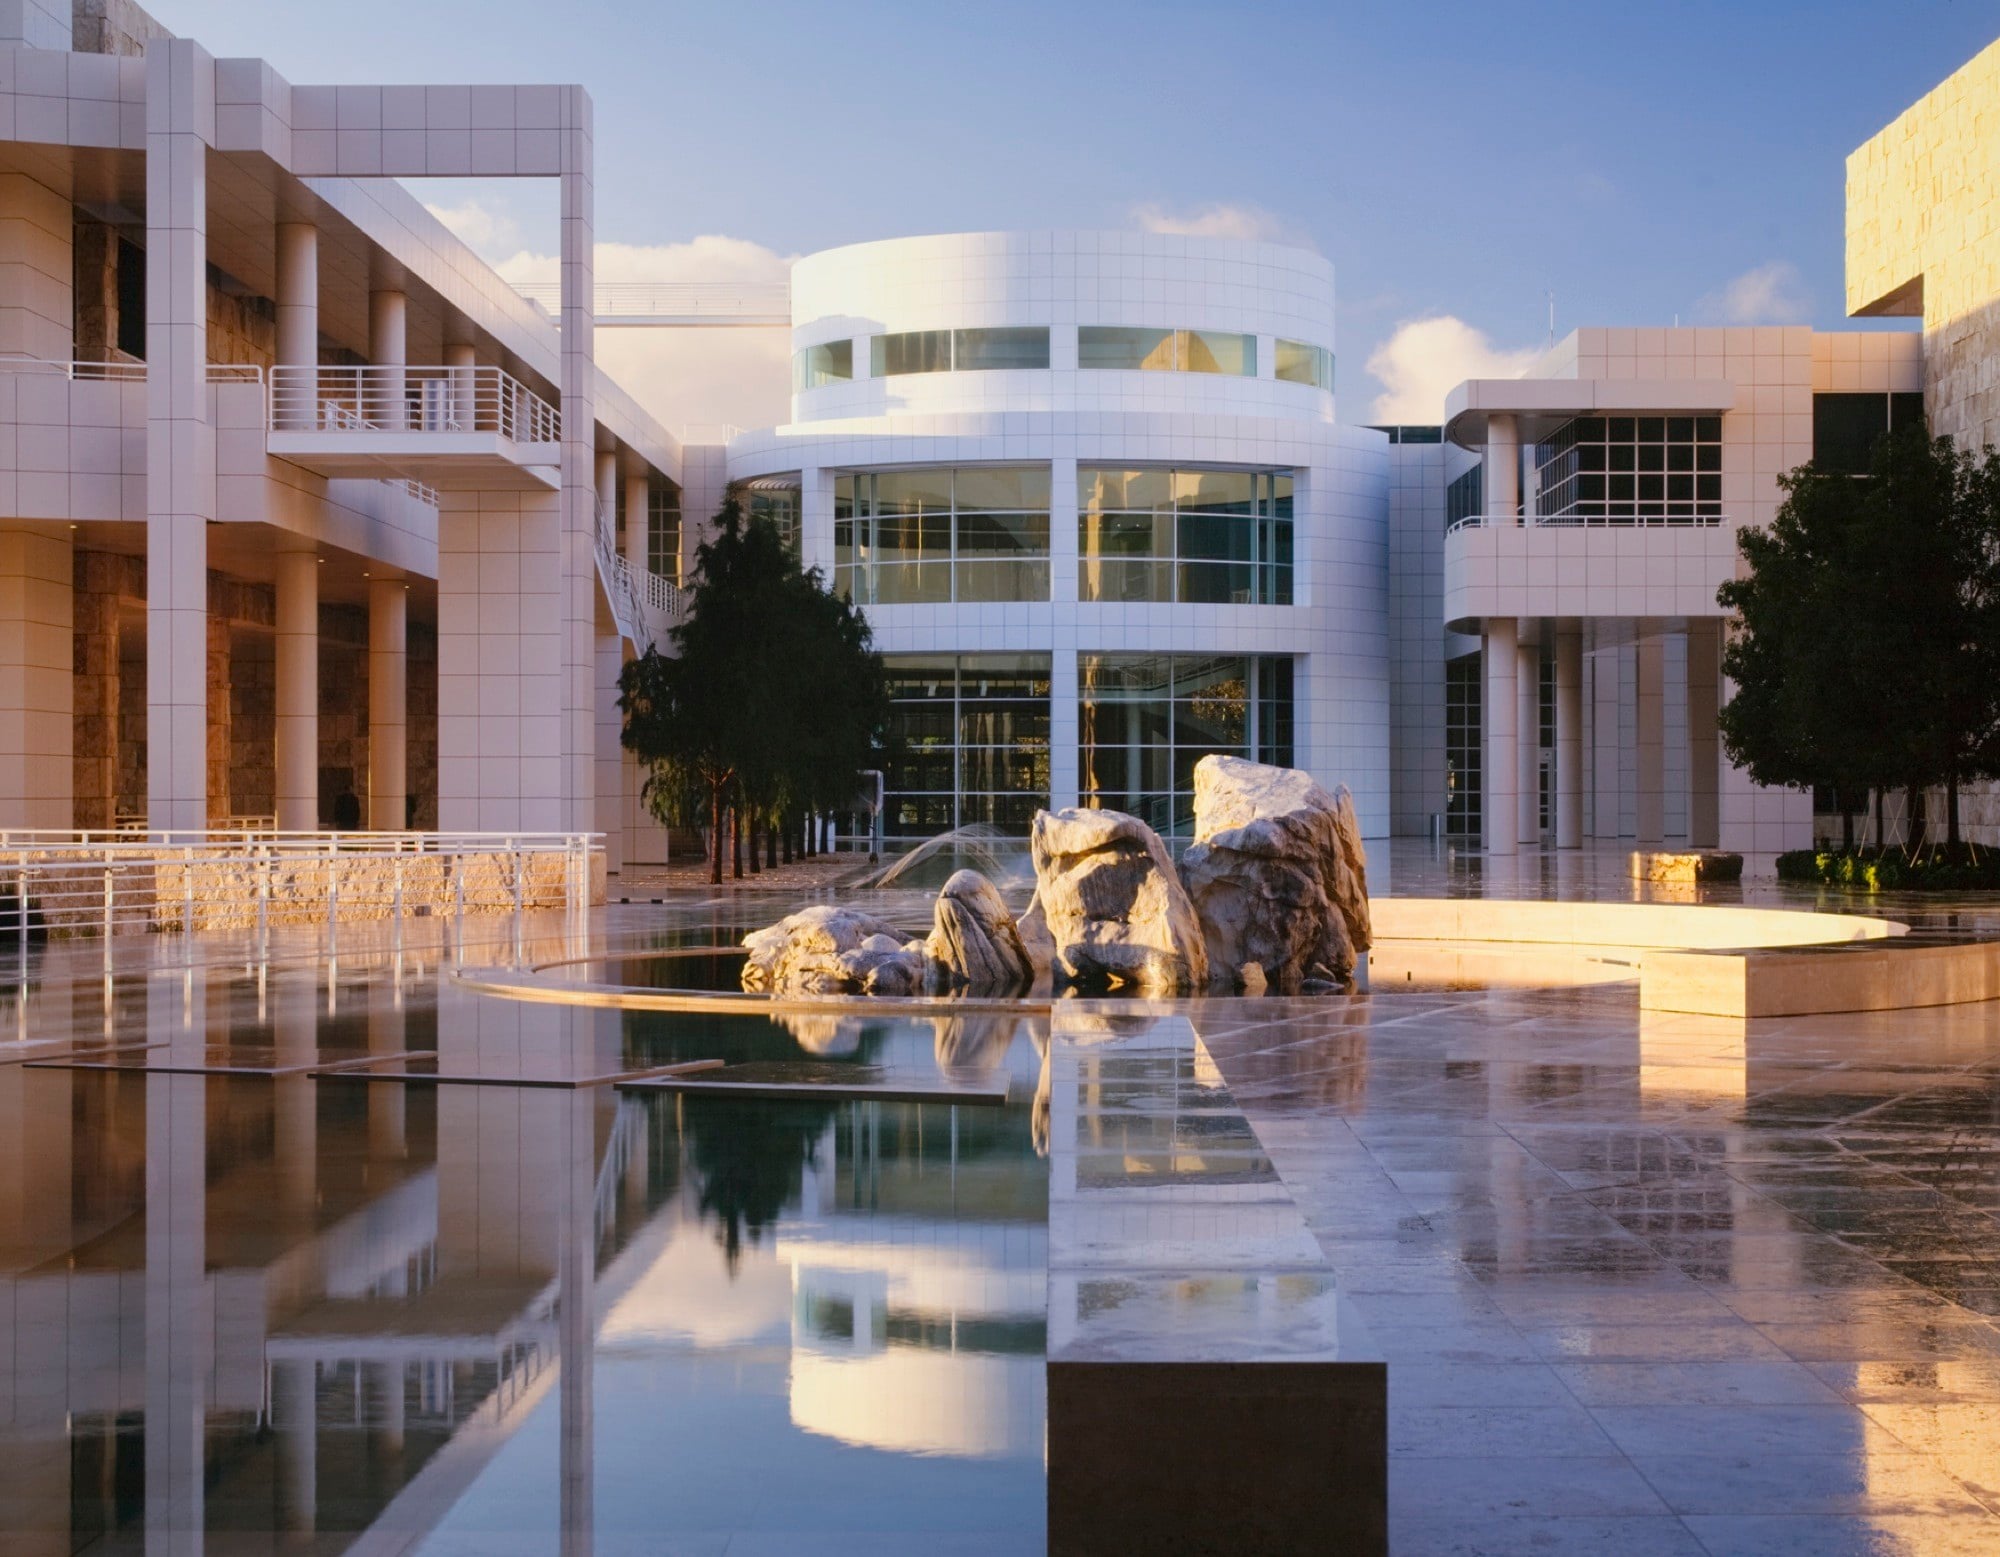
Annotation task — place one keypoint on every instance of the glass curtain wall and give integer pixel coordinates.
(1203, 537)
(1145, 720)
(1140, 348)
(1622, 469)
(969, 742)
(914, 537)
(663, 532)
(1009, 347)
(1462, 690)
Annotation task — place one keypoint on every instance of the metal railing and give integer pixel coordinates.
(720, 302)
(377, 398)
(1585, 521)
(108, 882)
(634, 592)
(88, 372)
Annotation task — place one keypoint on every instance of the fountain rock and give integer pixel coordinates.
(1114, 906)
(828, 950)
(1277, 875)
(974, 943)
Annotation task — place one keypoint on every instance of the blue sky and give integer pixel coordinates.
(1635, 159)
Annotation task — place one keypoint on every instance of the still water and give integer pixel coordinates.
(248, 1308)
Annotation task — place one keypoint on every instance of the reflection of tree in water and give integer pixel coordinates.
(749, 1160)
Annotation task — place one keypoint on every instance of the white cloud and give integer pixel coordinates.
(481, 227)
(1425, 359)
(1216, 221)
(1770, 294)
(688, 375)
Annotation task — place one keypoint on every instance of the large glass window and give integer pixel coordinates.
(1620, 469)
(969, 742)
(829, 363)
(1166, 351)
(1846, 427)
(1215, 537)
(663, 532)
(964, 351)
(1465, 496)
(773, 500)
(1299, 362)
(908, 537)
(1461, 746)
(1145, 720)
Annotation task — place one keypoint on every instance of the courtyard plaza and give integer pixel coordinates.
(309, 1242)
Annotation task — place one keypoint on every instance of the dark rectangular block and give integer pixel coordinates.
(1174, 1459)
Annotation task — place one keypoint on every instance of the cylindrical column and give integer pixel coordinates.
(607, 486)
(1528, 741)
(1704, 702)
(1498, 774)
(298, 320)
(388, 676)
(297, 735)
(388, 349)
(459, 357)
(1650, 746)
(1569, 736)
(1503, 467)
(638, 516)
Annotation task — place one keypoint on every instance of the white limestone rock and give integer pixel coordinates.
(1277, 875)
(829, 950)
(1033, 928)
(974, 942)
(1114, 906)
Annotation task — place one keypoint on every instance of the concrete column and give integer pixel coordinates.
(388, 314)
(638, 515)
(1704, 703)
(1528, 741)
(1650, 747)
(460, 357)
(1499, 772)
(1569, 736)
(298, 317)
(295, 1423)
(180, 441)
(37, 679)
(569, 806)
(297, 733)
(610, 791)
(388, 704)
(1503, 467)
(1065, 733)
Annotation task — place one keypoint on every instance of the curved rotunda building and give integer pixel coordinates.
(1090, 491)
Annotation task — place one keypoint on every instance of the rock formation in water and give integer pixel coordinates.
(974, 944)
(1277, 875)
(1113, 904)
(827, 950)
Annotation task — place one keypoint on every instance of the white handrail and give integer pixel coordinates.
(1584, 521)
(673, 299)
(119, 372)
(421, 398)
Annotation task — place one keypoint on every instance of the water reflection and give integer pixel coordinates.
(317, 1315)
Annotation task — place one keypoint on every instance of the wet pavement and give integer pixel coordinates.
(1644, 1283)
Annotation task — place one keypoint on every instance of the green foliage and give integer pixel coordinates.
(1867, 653)
(1941, 869)
(773, 698)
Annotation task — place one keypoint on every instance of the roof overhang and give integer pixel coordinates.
(1543, 404)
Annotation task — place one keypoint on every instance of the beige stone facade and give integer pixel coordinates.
(1923, 239)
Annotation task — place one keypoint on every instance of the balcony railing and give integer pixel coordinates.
(1585, 521)
(422, 399)
(675, 302)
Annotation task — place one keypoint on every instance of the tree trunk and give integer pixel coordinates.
(773, 826)
(756, 818)
(785, 838)
(1951, 810)
(736, 839)
(715, 833)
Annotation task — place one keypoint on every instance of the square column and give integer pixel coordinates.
(561, 800)
(1499, 773)
(180, 442)
(388, 704)
(298, 312)
(1650, 748)
(1064, 730)
(1704, 704)
(37, 680)
(1569, 736)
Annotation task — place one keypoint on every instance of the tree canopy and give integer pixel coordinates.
(773, 699)
(1867, 650)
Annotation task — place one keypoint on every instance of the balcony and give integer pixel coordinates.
(447, 427)
(1647, 566)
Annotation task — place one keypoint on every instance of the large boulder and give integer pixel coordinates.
(973, 939)
(1277, 874)
(827, 950)
(1114, 907)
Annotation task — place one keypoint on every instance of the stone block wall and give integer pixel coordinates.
(112, 27)
(343, 707)
(421, 729)
(105, 587)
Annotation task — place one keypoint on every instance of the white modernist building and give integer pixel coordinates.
(1090, 489)
(309, 519)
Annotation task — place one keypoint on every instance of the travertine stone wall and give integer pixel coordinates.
(111, 27)
(219, 807)
(421, 727)
(253, 720)
(1923, 238)
(105, 586)
(242, 327)
(343, 707)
